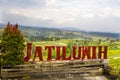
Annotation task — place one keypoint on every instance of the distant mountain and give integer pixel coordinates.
(33, 33)
(72, 29)
(2, 25)
(105, 34)
(119, 35)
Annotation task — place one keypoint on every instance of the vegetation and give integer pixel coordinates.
(52, 36)
(113, 49)
(104, 34)
(12, 46)
(46, 34)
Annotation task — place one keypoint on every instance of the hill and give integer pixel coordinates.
(33, 33)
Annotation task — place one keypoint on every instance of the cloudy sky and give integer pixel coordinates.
(89, 15)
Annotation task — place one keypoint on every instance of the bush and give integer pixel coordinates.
(12, 43)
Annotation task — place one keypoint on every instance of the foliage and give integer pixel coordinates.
(113, 49)
(12, 43)
(44, 34)
(114, 35)
(52, 36)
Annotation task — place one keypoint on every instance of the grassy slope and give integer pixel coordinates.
(113, 54)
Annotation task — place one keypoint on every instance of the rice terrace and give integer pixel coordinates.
(53, 56)
(59, 39)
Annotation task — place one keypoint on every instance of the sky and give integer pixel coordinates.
(89, 15)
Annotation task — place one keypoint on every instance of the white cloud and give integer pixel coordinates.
(84, 14)
(50, 2)
(0, 16)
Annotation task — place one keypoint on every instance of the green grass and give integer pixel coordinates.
(113, 53)
(114, 61)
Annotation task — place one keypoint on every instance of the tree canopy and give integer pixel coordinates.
(12, 45)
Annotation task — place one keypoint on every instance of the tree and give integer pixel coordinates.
(12, 43)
